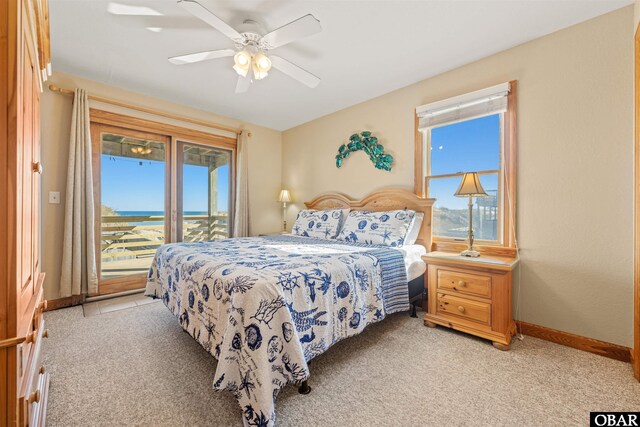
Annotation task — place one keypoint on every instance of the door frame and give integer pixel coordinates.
(172, 134)
(134, 281)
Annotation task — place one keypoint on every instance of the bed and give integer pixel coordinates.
(266, 306)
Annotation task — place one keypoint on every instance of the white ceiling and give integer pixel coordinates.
(367, 48)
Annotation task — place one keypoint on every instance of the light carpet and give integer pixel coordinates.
(137, 367)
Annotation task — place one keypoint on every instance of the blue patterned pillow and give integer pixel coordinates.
(319, 224)
(378, 228)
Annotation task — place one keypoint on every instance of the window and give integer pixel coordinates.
(470, 133)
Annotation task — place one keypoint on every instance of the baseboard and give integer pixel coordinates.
(602, 348)
(55, 304)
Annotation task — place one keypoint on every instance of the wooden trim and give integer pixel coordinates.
(68, 92)
(382, 200)
(447, 245)
(56, 304)
(602, 348)
(636, 211)
(41, 9)
(507, 183)
(115, 285)
(509, 167)
(186, 134)
(8, 91)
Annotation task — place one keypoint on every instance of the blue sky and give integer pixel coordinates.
(131, 185)
(461, 147)
(467, 146)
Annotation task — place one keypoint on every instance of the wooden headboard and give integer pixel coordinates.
(382, 200)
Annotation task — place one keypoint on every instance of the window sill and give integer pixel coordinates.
(450, 246)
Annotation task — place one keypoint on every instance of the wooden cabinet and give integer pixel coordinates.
(471, 295)
(24, 61)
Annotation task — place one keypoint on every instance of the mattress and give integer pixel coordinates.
(413, 263)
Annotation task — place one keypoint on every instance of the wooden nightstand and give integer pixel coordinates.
(472, 295)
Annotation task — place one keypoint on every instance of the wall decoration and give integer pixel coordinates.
(369, 144)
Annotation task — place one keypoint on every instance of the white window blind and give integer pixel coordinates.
(464, 107)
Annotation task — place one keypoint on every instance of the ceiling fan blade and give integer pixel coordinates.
(301, 27)
(201, 56)
(243, 84)
(199, 11)
(294, 71)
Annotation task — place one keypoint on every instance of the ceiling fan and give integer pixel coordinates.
(250, 53)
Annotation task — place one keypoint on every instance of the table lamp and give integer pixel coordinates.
(470, 187)
(284, 198)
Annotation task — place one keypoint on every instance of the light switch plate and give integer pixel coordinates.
(54, 197)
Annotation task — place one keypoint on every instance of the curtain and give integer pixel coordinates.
(241, 211)
(79, 275)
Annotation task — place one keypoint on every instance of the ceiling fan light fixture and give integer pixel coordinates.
(259, 75)
(262, 61)
(261, 66)
(252, 46)
(242, 62)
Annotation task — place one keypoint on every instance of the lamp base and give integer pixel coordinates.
(470, 253)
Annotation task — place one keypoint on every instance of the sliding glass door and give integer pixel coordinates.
(204, 192)
(131, 205)
(155, 188)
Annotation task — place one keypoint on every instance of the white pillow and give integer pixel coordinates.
(318, 224)
(414, 229)
(378, 228)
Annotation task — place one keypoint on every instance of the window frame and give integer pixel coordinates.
(506, 243)
(172, 135)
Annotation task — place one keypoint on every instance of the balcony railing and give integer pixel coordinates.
(134, 237)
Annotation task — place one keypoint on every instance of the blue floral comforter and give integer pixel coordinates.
(265, 306)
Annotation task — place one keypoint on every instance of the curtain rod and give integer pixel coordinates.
(63, 91)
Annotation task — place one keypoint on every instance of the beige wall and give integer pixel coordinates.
(575, 166)
(264, 162)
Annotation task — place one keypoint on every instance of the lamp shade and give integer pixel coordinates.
(470, 186)
(284, 197)
(261, 66)
(242, 62)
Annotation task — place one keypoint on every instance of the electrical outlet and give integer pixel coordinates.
(54, 197)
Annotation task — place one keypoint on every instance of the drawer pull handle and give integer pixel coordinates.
(462, 283)
(45, 333)
(34, 397)
(461, 309)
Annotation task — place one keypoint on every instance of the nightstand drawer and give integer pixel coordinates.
(465, 283)
(473, 310)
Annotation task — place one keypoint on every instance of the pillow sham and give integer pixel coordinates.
(414, 229)
(319, 224)
(378, 228)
